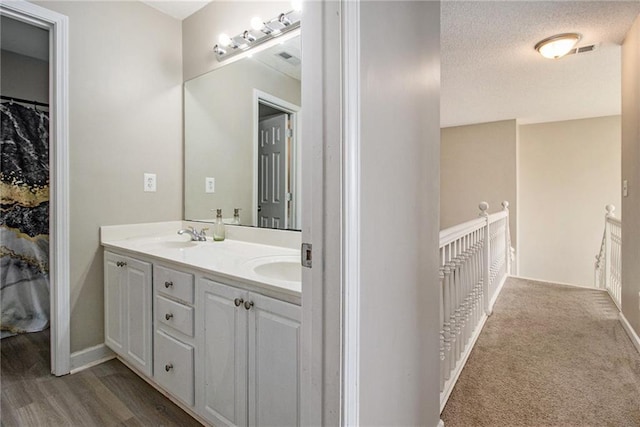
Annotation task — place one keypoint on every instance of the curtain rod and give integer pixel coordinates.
(25, 101)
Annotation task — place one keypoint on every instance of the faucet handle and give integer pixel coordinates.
(191, 228)
(203, 231)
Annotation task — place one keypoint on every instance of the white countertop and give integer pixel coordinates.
(232, 259)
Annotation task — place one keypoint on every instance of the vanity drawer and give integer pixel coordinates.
(173, 366)
(176, 315)
(174, 283)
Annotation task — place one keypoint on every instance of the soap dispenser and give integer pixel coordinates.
(236, 216)
(218, 227)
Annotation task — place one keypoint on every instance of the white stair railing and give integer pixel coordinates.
(608, 267)
(475, 260)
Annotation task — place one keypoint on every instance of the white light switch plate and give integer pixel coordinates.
(209, 185)
(625, 188)
(150, 182)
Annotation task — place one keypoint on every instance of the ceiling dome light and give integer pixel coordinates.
(557, 46)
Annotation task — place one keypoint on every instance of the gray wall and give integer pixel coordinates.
(218, 114)
(568, 171)
(400, 184)
(631, 172)
(24, 77)
(478, 163)
(125, 117)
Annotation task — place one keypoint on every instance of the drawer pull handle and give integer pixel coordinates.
(168, 316)
(238, 302)
(121, 263)
(168, 367)
(168, 284)
(248, 305)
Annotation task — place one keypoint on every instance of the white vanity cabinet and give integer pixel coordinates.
(173, 346)
(128, 310)
(225, 352)
(250, 354)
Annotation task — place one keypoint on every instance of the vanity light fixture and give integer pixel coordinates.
(226, 41)
(557, 46)
(261, 31)
(284, 20)
(248, 36)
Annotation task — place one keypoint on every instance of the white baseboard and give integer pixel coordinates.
(629, 330)
(92, 356)
(497, 293)
(573, 285)
(440, 423)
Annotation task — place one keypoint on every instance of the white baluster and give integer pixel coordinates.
(486, 257)
(607, 245)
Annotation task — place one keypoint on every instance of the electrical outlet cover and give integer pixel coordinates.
(209, 185)
(149, 182)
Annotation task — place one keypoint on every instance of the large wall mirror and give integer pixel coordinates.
(242, 140)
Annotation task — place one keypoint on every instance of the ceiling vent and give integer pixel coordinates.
(286, 56)
(583, 49)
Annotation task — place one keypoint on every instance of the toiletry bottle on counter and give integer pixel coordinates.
(218, 227)
(236, 216)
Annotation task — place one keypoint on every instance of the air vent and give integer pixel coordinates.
(583, 49)
(286, 56)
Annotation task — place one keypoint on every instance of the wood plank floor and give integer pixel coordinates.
(109, 394)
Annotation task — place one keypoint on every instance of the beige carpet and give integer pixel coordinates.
(549, 355)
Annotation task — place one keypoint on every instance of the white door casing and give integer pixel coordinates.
(58, 26)
(293, 165)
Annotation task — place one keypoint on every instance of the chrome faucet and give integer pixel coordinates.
(196, 236)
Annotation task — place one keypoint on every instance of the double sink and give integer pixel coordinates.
(249, 260)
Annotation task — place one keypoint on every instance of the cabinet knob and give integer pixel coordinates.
(238, 302)
(168, 316)
(168, 367)
(168, 284)
(248, 305)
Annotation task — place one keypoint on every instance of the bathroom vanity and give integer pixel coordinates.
(213, 325)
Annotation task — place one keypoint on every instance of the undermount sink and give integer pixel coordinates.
(285, 268)
(176, 245)
(172, 242)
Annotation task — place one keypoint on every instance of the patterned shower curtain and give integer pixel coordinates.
(24, 219)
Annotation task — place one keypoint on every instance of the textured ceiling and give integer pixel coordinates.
(490, 70)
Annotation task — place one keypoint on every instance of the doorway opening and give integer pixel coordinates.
(277, 183)
(55, 221)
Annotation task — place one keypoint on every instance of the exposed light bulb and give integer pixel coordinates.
(224, 39)
(296, 5)
(257, 23)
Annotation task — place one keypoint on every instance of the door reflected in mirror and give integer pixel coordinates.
(242, 140)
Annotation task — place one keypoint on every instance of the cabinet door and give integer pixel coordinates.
(138, 325)
(113, 299)
(222, 375)
(274, 362)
